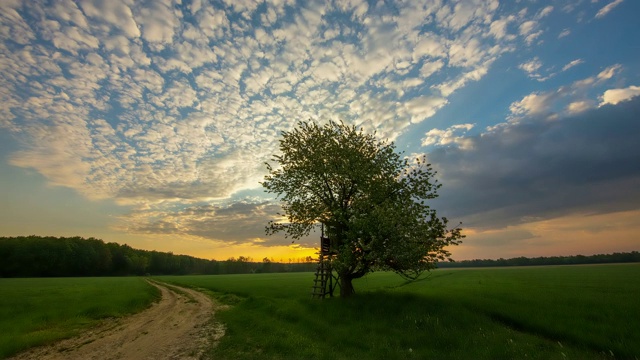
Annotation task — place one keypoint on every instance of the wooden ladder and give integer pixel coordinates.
(323, 283)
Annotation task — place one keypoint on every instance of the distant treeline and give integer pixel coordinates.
(627, 257)
(37, 256)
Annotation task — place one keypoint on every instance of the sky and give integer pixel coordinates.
(149, 122)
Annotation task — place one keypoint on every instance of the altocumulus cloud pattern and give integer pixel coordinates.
(172, 107)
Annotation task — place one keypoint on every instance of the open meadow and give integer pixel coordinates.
(560, 312)
(574, 312)
(36, 311)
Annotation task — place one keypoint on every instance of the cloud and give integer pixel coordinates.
(162, 105)
(544, 12)
(614, 96)
(572, 64)
(578, 164)
(451, 135)
(499, 28)
(607, 8)
(430, 68)
(533, 104)
(424, 107)
(548, 104)
(531, 67)
(609, 72)
(534, 66)
(527, 27)
(579, 106)
(158, 21)
(116, 13)
(563, 235)
(563, 33)
(241, 222)
(602, 76)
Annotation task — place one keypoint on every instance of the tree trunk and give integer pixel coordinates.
(346, 287)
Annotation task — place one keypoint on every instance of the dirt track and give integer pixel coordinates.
(179, 326)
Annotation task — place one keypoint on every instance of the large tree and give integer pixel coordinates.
(372, 201)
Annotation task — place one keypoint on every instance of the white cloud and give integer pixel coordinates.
(607, 8)
(67, 10)
(563, 33)
(614, 96)
(449, 87)
(116, 13)
(572, 64)
(609, 72)
(452, 135)
(73, 39)
(462, 15)
(429, 68)
(423, 107)
(327, 71)
(212, 22)
(527, 27)
(579, 106)
(500, 28)
(533, 104)
(466, 54)
(159, 22)
(531, 67)
(544, 12)
(568, 100)
(532, 37)
(604, 75)
(430, 45)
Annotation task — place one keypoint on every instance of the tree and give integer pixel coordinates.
(370, 199)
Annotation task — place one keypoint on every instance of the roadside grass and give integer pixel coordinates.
(563, 312)
(38, 311)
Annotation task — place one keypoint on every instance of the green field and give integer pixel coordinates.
(38, 311)
(563, 312)
(573, 312)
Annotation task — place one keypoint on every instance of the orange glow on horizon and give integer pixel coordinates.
(214, 250)
(578, 234)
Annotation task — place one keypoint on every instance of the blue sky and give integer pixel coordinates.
(149, 122)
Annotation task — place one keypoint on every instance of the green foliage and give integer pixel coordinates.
(39, 311)
(581, 312)
(372, 200)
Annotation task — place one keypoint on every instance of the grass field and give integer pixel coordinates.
(574, 312)
(570, 312)
(38, 311)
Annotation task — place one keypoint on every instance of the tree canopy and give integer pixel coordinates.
(372, 200)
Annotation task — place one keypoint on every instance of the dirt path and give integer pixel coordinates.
(177, 327)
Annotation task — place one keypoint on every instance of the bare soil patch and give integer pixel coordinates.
(179, 326)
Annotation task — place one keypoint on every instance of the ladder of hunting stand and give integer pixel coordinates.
(323, 283)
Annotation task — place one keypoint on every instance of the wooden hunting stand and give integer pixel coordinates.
(326, 281)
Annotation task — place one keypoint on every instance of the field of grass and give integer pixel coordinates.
(563, 312)
(38, 311)
(570, 312)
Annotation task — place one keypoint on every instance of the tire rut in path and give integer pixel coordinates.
(179, 326)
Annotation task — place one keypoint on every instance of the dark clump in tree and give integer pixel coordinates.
(372, 201)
